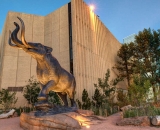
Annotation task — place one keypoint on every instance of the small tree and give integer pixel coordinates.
(122, 98)
(31, 91)
(105, 93)
(139, 90)
(7, 99)
(107, 88)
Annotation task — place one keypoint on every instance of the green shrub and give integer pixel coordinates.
(7, 99)
(23, 109)
(53, 98)
(31, 91)
(139, 90)
(147, 110)
(122, 98)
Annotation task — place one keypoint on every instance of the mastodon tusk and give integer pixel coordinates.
(23, 34)
(14, 36)
(10, 43)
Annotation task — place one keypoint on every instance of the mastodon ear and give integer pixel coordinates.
(48, 49)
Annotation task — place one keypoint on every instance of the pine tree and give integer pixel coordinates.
(125, 61)
(141, 57)
(105, 89)
(98, 98)
(86, 102)
(147, 57)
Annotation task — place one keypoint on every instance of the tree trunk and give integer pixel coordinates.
(155, 120)
(154, 93)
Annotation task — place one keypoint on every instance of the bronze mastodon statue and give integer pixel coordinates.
(50, 74)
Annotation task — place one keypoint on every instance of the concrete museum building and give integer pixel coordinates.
(80, 41)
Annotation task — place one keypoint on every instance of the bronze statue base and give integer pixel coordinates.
(63, 121)
(45, 110)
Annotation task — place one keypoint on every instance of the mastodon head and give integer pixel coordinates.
(37, 50)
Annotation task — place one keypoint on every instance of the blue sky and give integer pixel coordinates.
(121, 17)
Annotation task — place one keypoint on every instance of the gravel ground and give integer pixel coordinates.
(108, 124)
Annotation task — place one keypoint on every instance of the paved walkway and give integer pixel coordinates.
(109, 124)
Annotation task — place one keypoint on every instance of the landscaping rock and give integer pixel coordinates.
(85, 112)
(126, 108)
(136, 121)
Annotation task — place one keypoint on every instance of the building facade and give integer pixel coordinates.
(80, 41)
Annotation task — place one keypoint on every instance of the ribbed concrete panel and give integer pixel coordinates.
(38, 29)
(94, 47)
(23, 71)
(21, 100)
(56, 44)
(33, 70)
(9, 51)
(48, 30)
(64, 38)
(56, 35)
(55, 17)
(9, 71)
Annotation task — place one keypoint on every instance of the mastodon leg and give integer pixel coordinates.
(71, 96)
(43, 95)
(63, 98)
(73, 103)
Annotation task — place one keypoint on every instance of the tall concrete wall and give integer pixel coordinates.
(2, 44)
(17, 66)
(56, 35)
(94, 48)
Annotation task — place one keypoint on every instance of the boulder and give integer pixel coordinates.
(59, 121)
(155, 120)
(136, 121)
(6, 115)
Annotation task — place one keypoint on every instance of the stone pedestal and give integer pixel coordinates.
(63, 121)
